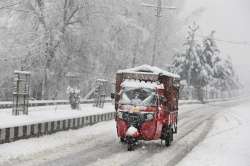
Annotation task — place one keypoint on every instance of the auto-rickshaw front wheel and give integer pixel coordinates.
(131, 142)
(131, 147)
(169, 138)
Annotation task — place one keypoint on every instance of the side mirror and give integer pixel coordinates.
(112, 95)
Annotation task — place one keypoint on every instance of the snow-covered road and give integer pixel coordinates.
(210, 134)
(228, 142)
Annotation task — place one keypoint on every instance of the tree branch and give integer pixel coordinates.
(72, 14)
(9, 5)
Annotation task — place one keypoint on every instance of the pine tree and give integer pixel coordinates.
(201, 65)
(186, 62)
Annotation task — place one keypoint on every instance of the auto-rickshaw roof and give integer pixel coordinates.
(150, 70)
(141, 84)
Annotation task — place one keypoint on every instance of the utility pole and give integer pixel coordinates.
(136, 44)
(158, 8)
(135, 49)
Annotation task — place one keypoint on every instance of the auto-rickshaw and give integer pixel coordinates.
(146, 104)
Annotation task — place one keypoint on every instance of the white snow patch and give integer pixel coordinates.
(50, 113)
(131, 130)
(141, 84)
(21, 72)
(148, 69)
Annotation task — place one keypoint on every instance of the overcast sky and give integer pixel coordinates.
(231, 20)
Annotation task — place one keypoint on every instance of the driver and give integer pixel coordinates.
(136, 100)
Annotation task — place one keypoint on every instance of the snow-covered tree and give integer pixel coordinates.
(190, 65)
(91, 37)
(201, 65)
(225, 78)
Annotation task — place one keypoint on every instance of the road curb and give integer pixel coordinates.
(39, 129)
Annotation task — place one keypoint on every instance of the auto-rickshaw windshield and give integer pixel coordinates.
(138, 96)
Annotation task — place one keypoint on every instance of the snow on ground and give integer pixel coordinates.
(227, 144)
(50, 113)
(24, 148)
(35, 101)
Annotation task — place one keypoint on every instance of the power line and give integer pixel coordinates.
(228, 41)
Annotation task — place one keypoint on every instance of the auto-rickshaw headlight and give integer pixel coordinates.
(149, 116)
(119, 114)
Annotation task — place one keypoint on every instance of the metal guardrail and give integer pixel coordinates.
(46, 103)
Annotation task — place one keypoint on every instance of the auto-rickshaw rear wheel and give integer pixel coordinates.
(122, 140)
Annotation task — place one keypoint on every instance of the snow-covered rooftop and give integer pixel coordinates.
(141, 84)
(149, 69)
